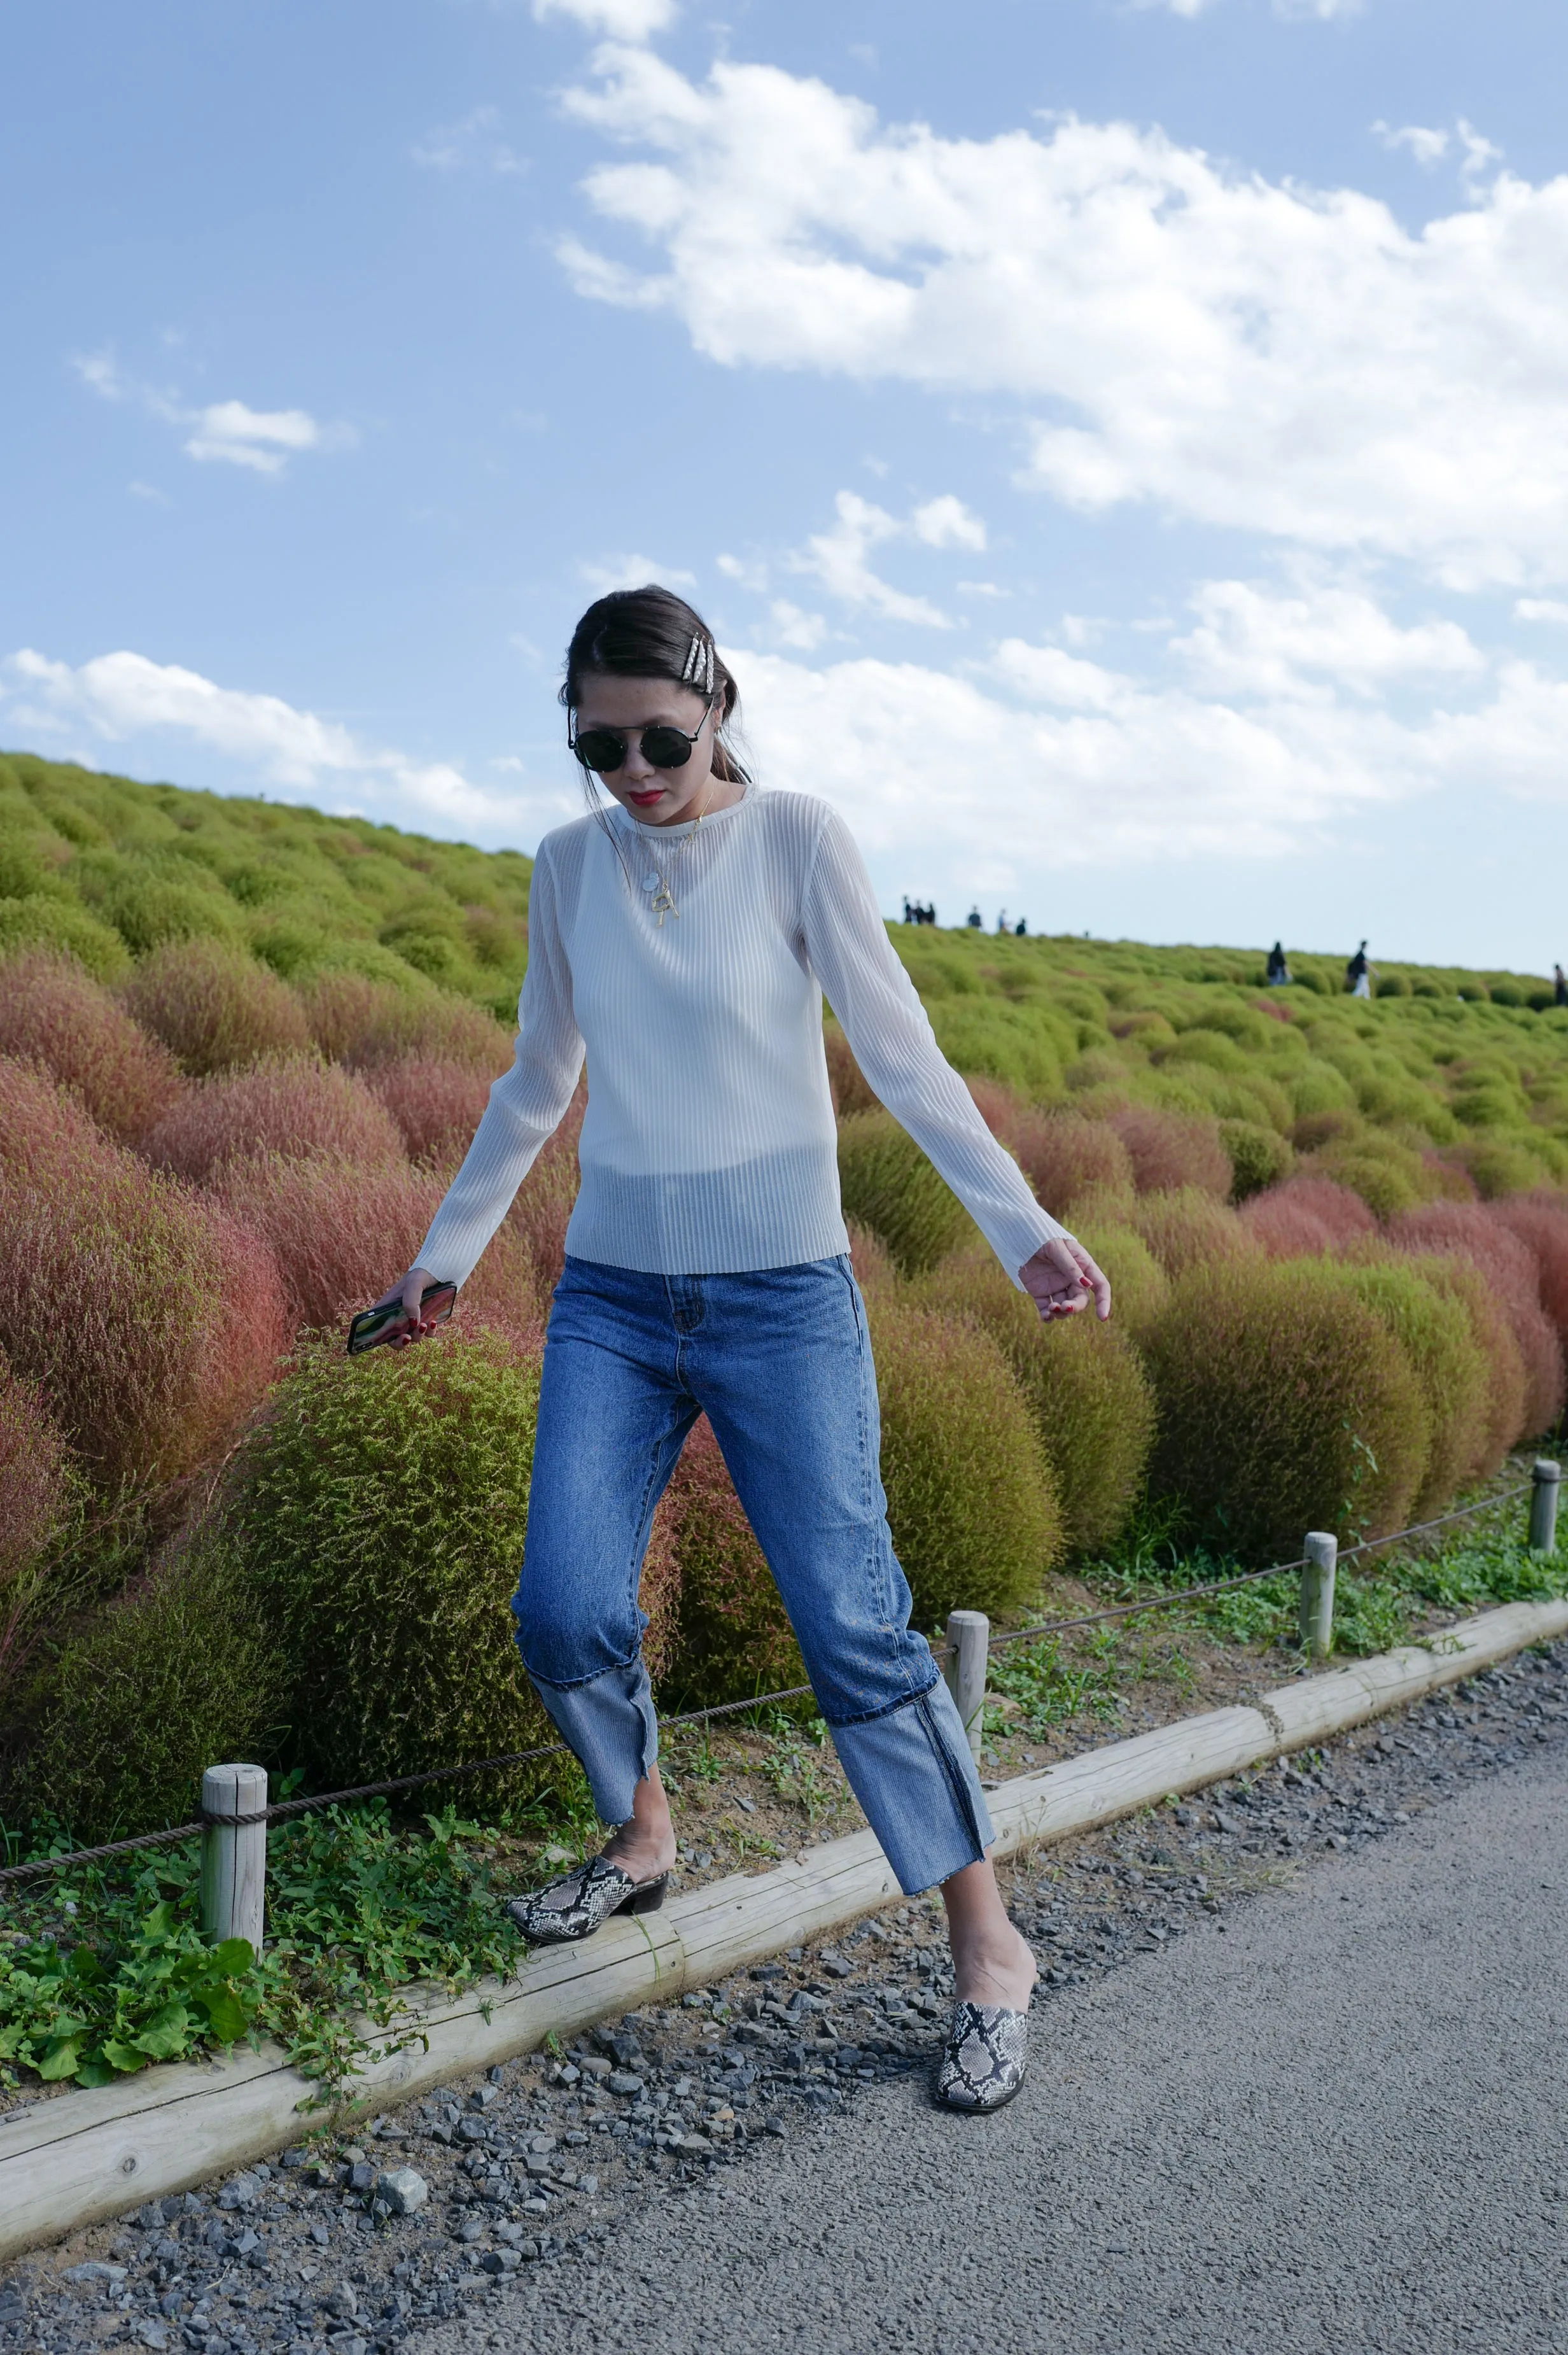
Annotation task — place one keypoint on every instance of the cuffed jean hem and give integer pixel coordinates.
(913, 1772)
(609, 1721)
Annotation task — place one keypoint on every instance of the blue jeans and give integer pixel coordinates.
(780, 1361)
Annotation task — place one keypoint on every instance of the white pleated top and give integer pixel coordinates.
(709, 1146)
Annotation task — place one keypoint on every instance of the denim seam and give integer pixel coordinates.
(577, 1684)
(868, 1478)
(957, 1783)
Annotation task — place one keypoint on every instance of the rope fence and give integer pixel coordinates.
(233, 1832)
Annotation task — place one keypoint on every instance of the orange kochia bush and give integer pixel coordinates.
(436, 1103)
(288, 1103)
(149, 1317)
(215, 1007)
(341, 1233)
(1307, 1216)
(1470, 1231)
(53, 1013)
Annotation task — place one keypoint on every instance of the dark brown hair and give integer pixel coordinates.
(653, 634)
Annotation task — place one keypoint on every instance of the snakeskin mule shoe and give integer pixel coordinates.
(579, 1903)
(984, 2060)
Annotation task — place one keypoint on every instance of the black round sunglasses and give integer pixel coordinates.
(664, 746)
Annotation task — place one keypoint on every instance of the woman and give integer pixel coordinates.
(684, 936)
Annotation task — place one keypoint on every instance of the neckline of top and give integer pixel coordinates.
(651, 835)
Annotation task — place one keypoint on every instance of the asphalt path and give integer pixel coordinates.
(1335, 2123)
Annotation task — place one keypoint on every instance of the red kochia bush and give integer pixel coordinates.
(1306, 1217)
(149, 1317)
(36, 1485)
(342, 1233)
(1064, 1156)
(53, 1013)
(360, 1022)
(1171, 1149)
(1540, 1221)
(1470, 1231)
(437, 1104)
(290, 1103)
(215, 1007)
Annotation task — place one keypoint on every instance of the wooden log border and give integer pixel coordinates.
(79, 2157)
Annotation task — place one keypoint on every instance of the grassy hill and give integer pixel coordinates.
(1468, 1065)
(111, 869)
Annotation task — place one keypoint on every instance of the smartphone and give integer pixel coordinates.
(374, 1326)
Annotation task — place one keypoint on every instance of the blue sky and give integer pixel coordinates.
(1123, 450)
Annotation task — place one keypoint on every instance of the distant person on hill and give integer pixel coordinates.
(1560, 985)
(1359, 974)
(684, 932)
(976, 921)
(910, 916)
(1278, 970)
(1020, 929)
(1001, 922)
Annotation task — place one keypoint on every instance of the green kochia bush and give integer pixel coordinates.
(1434, 1332)
(887, 1185)
(180, 1671)
(971, 1500)
(1285, 1405)
(1086, 1391)
(379, 1511)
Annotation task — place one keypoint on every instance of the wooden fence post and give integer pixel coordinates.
(1317, 1593)
(1546, 1475)
(968, 1643)
(233, 1855)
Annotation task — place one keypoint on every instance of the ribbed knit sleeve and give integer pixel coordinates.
(526, 1104)
(895, 1047)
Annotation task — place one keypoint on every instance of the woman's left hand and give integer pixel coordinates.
(1061, 1279)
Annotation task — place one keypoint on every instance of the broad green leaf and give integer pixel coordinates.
(234, 1957)
(225, 2016)
(166, 2034)
(123, 2057)
(59, 2058)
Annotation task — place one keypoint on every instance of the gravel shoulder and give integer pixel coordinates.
(1298, 2072)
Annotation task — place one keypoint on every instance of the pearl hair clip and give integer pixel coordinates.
(698, 670)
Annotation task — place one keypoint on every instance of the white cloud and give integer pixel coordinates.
(633, 572)
(1426, 147)
(123, 698)
(470, 144)
(262, 439)
(226, 433)
(947, 522)
(1100, 766)
(1258, 355)
(100, 372)
(1541, 609)
(802, 632)
(618, 20)
(1252, 643)
(1318, 11)
(838, 558)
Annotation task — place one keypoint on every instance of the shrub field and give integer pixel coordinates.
(243, 1048)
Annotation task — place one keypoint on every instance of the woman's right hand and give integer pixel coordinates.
(410, 1290)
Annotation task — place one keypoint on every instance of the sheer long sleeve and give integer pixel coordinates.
(526, 1104)
(895, 1047)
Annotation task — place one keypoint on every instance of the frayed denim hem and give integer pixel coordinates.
(913, 1774)
(608, 1720)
